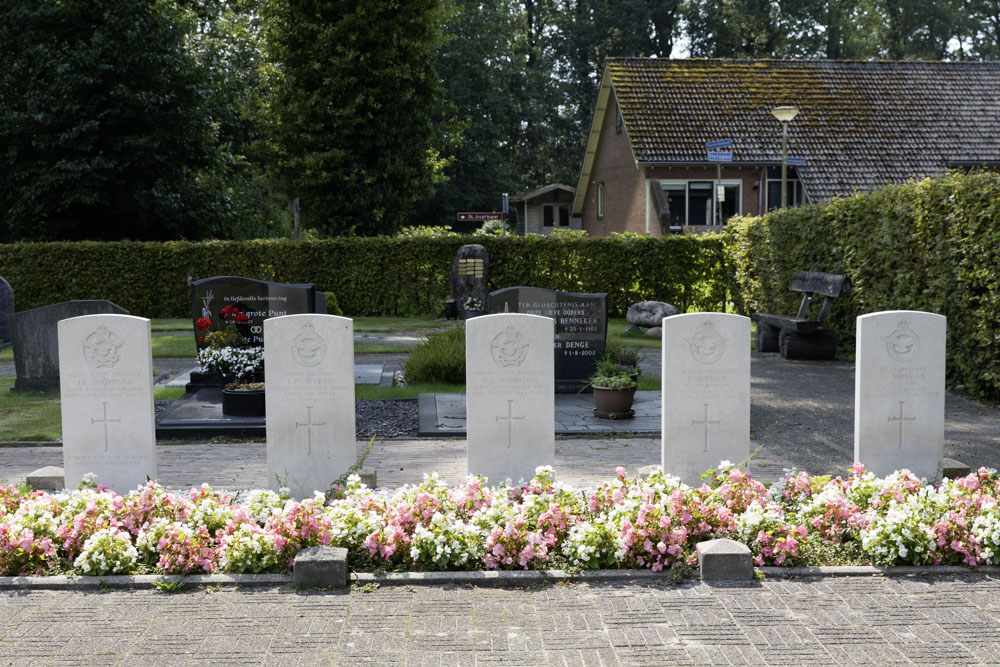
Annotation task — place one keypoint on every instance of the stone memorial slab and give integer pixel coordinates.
(581, 328)
(510, 402)
(257, 299)
(106, 378)
(899, 392)
(706, 393)
(6, 311)
(36, 340)
(469, 280)
(310, 401)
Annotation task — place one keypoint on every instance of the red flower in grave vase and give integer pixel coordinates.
(233, 313)
(202, 324)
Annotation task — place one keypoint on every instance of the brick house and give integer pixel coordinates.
(860, 125)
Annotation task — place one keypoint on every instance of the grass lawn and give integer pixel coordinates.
(379, 348)
(176, 324)
(7, 353)
(30, 415)
(398, 324)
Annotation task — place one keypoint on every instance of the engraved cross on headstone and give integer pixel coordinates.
(901, 419)
(105, 422)
(309, 427)
(707, 423)
(510, 419)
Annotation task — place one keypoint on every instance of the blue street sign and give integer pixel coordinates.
(797, 161)
(721, 143)
(720, 156)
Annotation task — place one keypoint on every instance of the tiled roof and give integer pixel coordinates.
(860, 124)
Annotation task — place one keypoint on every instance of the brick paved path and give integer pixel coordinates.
(951, 620)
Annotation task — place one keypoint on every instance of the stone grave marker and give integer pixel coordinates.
(6, 311)
(706, 393)
(581, 327)
(257, 299)
(510, 402)
(899, 392)
(106, 377)
(36, 341)
(470, 276)
(309, 361)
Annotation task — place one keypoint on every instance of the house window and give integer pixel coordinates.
(564, 216)
(796, 193)
(600, 199)
(693, 202)
(547, 216)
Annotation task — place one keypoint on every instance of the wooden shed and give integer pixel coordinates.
(547, 208)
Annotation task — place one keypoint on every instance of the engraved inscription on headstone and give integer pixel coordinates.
(706, 393)
(310, 401)
(581, 322)
(106, 378)
(469, 279)
(899, 392)
(510, 402)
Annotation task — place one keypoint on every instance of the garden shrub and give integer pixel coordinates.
(332, 308)
(932, 245)
(440, 358)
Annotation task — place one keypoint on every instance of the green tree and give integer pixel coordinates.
(354, 108)
(105, 131)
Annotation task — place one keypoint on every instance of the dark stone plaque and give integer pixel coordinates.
(36, 340)
(470, 276)
(581, 328)
(6, 311)
(257, 299)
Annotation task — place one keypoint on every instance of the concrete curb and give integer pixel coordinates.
(477, 577)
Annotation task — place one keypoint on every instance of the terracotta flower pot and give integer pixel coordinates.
(613, 401)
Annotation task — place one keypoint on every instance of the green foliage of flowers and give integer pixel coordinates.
(652, 522)
(932, 245)
(439, 358)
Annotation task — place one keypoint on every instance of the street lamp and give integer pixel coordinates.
(784, 114)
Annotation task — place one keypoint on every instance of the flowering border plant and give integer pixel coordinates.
(652, 522)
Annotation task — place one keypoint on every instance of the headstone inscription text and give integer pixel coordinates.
(899, 392)
(706, 393)
(469, 279)
(257, 299)
(510, 402)
(106, 378)
(309, 401)
(581, 326)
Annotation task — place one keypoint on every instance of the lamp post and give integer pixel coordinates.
(784, 114)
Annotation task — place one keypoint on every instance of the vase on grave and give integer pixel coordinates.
(243, 402)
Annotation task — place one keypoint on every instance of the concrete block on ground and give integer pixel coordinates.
(49, 478)
(725, 560)
(320, 567)
(953, 469)
(369, 477)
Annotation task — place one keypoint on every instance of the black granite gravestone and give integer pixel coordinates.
(470, 276)
(581, 328)
(6, 311)
(257, 299)
(36, 340)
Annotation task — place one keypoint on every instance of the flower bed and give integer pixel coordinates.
(653, 522)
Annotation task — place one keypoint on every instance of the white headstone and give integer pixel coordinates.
(106, 390)
(309, 366)
(899, 392)
(510, 395)
(706, 393)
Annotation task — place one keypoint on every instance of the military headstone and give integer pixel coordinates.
(257, 299)
(899, 392)
(6, 311)
(470, 276)
(706, 393)
(581, 328)
(36, 341)
(310, 401)
(106, 373)
(510, 400)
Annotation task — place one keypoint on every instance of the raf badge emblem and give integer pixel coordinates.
(902, 344)
(308, 348)
(509, 347)
(707, 345)
(102, 348)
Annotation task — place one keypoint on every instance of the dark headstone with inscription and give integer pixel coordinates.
(257, 299)
(36, 340)
(6, 311)
(470, 275)
(581, 328)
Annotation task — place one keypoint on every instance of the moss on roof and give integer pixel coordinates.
(860, 124)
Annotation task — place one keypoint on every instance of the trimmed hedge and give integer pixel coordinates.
(931, 245)
(369, 276)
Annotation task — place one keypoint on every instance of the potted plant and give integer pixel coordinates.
(473, 306)
(614, 389)
(240, 365)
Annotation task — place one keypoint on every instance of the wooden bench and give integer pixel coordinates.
(801, 337)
